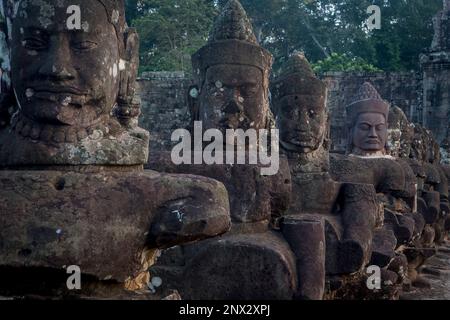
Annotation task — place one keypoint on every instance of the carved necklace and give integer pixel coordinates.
(35, 131)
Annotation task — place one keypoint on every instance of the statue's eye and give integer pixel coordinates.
(364, 126)
(84, 45)
(35, 43)
(380, 127)
(249, 90)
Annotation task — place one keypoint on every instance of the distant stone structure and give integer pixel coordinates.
(164, 101)
(436, 78)
(164, 106)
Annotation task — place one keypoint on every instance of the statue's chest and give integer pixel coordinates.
(313, 194)
(55, 219)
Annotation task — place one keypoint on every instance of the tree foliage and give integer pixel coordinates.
(342, 62)
(171, 30)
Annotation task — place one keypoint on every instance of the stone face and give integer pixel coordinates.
(52, 219)
(232, 75)
(401, 133)
(77, 98)
(164, 101)
(72, 186)
(251, 261)
(322, 210)
(367, 118)
(403, 89)
(299, 102)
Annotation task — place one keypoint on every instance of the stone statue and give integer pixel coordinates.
(231, 92)
(344, 214)
(72, 186)
(432, 196)
(234, 84)
(367, 118)
(400, 133)
(65, 115)
(368, 161)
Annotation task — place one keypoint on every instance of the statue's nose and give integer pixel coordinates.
(373, 133)
(303, 120)
(233, 107)
(58, 64)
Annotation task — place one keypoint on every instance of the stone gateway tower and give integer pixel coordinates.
(436, 78)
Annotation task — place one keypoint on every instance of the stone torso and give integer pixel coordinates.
(101, 221)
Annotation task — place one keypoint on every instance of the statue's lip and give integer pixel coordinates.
(301, 139)
(59, 90)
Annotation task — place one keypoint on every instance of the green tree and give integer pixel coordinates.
(322, 27)
(171, 31)
(342, 62)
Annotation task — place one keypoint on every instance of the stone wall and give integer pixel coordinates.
(165, 106)
(401, 89)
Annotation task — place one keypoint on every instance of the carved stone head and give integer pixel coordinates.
(232, 75)
(299, 100)
(73, 71)
(367, 117)
(401, 133)
(418, 147)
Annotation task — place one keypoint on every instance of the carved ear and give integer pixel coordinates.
(129, 64)
(193, 94)
(128, 105)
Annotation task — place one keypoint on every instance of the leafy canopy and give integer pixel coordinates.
(332, 33)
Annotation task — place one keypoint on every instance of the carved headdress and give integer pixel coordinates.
(231, 41)
(297, 77)
(366, 100)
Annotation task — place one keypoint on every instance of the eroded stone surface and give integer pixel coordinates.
(102, 222)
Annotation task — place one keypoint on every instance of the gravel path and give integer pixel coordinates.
(437, 272)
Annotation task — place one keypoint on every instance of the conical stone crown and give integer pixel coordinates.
(366, 92)
(233, 24)
(297, 77)
(297, 64)
(232, 41)
(366, 100)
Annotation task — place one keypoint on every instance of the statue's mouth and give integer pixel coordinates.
(60, 95)
(373, 141)
(58, 90)
(303, 139)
